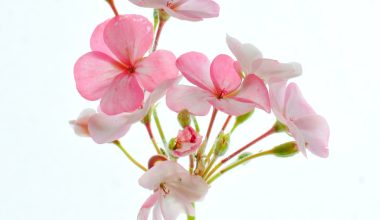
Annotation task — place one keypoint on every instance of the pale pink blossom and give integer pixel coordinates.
(174, 190)
(309, 129)
(251, 61)
(187, 142)
(116, 70)
(80, 125)
(219, 84)
(105, 128)
(192, 10)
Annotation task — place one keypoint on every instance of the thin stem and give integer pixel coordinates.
(161, 24)
(159, 128)
(209, 166)
(237, 163)
(210, 125)
(191, 164)
(196, 125)
(113, 7)
(149, 129)
(226, 123)
(118, 144)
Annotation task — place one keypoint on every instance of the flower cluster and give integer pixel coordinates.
(129, 75)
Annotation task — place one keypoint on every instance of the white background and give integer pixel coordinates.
(46, 172)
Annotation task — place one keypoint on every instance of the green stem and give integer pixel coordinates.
(118, 144)
(237, 163)
(149, 129)
(196, 125)
(159, 128)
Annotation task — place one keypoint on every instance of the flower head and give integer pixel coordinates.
(192, 10)
(174, 191)
(309, 129)
(116, 70)
(187, 142)
(219, 84)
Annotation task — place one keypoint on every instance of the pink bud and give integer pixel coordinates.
(187, 142)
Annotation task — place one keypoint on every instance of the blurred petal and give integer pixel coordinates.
(170, 207)
(188, 97)
(157, 67)
(295, 104)
(150, 3)
(129, 37)
(80, 125)
(232, 106)
(274, 71)
(195, 67)
(277, 99)
(147, 206)
(189, 189)
(157, 215)
(244, 53)
(124, 95)
(224, 75)
(97, 41)
(94, 72)
(194, 10)
(161, 90)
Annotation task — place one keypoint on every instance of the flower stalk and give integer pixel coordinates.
(129, 156)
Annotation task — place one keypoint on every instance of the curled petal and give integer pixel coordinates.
(81, 124)
(194, 10)
(129, 37)
(224, 75)
(188, 97)
(273, 71)
(157, 67)
(94, 72)
(147, 206)
(295, 104)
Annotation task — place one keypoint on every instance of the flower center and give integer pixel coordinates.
(170, 4)
(164, 188)
(222, 94)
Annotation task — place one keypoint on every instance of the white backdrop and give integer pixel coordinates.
(46, 172)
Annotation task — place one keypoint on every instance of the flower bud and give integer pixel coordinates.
(186, 142)
(279, 127)
(184, 118)
(222, 143)
(156, 158)
(285, 150)
(241, 119)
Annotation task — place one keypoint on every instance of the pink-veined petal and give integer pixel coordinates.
(94, 72)
(97, 40)
(244, 53)
(232, 106)
(277, 98)
(224, 75)
(295, 105)
(191, 98)
(254, 89)
(147, 206)
(273, 71)
(156, 68)
(194, 10)
(195, 67)
(123, 95)
(129, 37)
(313, 134)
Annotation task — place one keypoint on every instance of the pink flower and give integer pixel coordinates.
(107, 128)
(116, 70)
(251, 61)
(174, 191)
(187, 142)
(192, 10)
(219, 85)
(310, 130)
(81, 124)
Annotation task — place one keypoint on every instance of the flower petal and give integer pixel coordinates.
(170, 207)
(191, 98)
(150, 3)
(124, 95)
(157, 215)
(81, 124)
(224, 75)
(157, 67)
(295, 104)
(129, 37)
(147, 206)
(194, 10)
(232, 106)
(277, 98)
(189, 189)
(244, 53)
(94, 72)
(254, 90)
(273, 71)
(161, 90)
(97, 40)
(195, 67)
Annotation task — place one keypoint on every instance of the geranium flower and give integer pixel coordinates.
(174, 191)
(116, 70)
(219, 85)
(80, 125)
(107, 128)
(187, 142)
(192, 10)
(252, 62)
(309, 129)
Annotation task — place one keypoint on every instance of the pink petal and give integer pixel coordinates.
(161, 90)
(295, 104)
(224, 75)
(157, 67)
(194, 10)
(170, 207)
(189, 189)
(191, 98)
(254, 90)
(94, 72)
(147, 206)
(81, 124)
(123, 95)
(274, 71)
(313, 134)
(232, 106)
(129, 37)
(157, 215)
(150, 3)
(97, 41)
(195, 67)
(105, 129)
(277, 98)
(244, 53)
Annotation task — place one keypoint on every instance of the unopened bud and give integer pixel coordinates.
(285, 150)
(172, 144)
(222, 143)
(242, 118)
(184, 118)
(279, 127)
(156, 158)
(163, 15)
